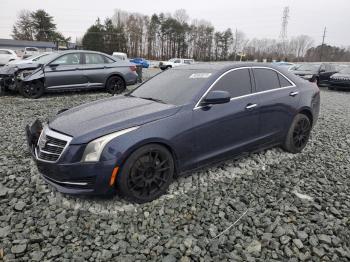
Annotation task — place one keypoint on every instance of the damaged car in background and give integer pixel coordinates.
(68, 70)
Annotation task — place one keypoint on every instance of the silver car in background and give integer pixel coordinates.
(68, 70)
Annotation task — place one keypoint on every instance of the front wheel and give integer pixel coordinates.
(298, 134)
(146, 174)
(33, 89)
(115, 85)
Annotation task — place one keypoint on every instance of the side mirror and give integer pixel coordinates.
(216, 97)
(322, 70)
(53, 65)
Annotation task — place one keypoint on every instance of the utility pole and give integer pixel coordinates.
(323, 38)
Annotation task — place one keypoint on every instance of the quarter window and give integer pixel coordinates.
(94, 59)
(236, 82)
(266, 79)
(284, 82)
(4, 52)
(69, 59)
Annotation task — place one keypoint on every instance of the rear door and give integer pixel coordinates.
(65, 72)
(279, 99)
(96, 69)
(227, 128)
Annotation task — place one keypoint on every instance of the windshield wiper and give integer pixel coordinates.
(154, 99)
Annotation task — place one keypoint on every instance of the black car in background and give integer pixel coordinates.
(319, 73)
(181, 119)
(68, 70)
(340, 80)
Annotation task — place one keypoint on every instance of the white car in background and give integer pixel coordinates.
(29, 60)
(30, 51)
(7, 55)
(174, 62)
(120, 55)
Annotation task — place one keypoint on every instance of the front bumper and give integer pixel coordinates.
(72, 178)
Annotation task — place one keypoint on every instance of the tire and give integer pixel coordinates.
(115, 85)
(298, 134)
(2, 90)
(146, 174)
(32, 90)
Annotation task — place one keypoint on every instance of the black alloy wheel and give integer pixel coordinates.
(33, 89)
(146, 174)
(301, 133)
(298, 134)
(115, 85)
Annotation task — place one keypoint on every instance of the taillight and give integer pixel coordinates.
(132, 68)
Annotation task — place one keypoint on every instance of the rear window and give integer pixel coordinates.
(284, 82)
(266, 79)
(4, 52)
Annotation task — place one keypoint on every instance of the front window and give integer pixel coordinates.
(236, 82)
(69, 59)
(174, 86)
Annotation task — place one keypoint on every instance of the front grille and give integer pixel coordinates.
(51, 145)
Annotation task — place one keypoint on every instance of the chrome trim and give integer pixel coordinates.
(47, 131)
(66, 183)
(294, 93)
(251, 106)
(49, 144)
(197, 106)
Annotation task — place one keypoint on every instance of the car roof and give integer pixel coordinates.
(218, 66)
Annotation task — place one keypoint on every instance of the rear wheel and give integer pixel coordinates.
(146, 174)
(115, 85)
(33, 89)
(298, 134)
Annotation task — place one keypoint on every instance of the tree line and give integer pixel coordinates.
(37, 26)
(164, 35)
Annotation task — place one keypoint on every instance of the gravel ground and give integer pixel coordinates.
(268, 206)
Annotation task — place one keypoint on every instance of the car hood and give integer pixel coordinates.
(90, 121)
(11, 69)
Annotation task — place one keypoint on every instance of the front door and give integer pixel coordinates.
(226, 129)
(65, 72)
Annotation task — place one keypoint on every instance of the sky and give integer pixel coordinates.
(256, 18)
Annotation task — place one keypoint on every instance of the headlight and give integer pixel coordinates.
(307, 76)
(94, 149)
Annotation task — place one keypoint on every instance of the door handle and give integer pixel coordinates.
(294, 93)
(251, 106)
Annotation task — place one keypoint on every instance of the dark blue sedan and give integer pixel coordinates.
(140, 61)
(183, 118)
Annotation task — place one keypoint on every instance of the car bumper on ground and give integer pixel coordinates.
(72, 178)
(339, 85)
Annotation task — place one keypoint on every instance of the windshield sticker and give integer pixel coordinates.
(200, 75)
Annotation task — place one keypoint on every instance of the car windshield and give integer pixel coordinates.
(308, 67)
(345, 70)
(174, 86)
(46, 58)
